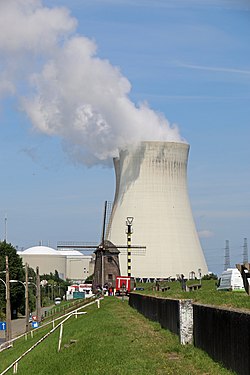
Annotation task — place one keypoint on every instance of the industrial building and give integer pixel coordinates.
(70, 264)
(151, 189)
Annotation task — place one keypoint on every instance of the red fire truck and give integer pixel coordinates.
(124, 285)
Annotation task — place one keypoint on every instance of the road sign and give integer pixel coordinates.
(35, 324)
(2, 326)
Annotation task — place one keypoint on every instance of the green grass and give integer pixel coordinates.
(64, 307)
(207, 294)
(114, 339)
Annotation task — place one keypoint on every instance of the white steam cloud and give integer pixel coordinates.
(65, 89)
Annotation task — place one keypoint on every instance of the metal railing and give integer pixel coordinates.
(14, 364)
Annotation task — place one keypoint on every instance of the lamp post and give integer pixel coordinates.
(26, 286)
(38, 305)
(8, 308)
(6, 294)
(26, 302)
(7, 299)
(38, 295)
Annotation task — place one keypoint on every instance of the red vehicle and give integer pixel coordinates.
(124, 284)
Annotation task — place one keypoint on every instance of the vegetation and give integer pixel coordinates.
(16, 272)
(89, 279)
(210, 276)
(207, 294)
(56, 287)
(114, 339)
(53, 287)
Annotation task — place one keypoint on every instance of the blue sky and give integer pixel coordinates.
(188, 60)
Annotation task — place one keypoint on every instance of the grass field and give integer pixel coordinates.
(207, 294)
(114, 339)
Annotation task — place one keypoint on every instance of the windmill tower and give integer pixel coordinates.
(151, 187)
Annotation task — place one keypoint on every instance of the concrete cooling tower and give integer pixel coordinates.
(151, 187)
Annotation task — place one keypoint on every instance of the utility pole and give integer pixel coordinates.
(38, 295)
(8, 308)
(5, 228)
(129, 232)
(26, 298)
(245, 251)
(227, 256)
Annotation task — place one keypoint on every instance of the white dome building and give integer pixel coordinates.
(70, 264)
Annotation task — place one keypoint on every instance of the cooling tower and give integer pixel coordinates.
(151, 187)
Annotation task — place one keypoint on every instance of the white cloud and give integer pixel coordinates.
(33, 27)
(66, 90)
(215, 69)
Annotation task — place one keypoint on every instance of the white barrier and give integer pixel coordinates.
(68, 315)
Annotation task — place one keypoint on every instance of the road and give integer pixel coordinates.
(18, 325)
(17, 328)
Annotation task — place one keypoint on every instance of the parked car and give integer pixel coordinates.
(58, 300)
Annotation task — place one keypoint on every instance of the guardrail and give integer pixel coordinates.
(66, 316)
(9, 344)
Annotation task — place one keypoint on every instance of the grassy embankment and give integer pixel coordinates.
(207, 294)
(114, 339)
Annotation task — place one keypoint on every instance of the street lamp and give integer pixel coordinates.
(37, 296)
(26, 286)
(8, 307)
(6, 297)
(38, 302)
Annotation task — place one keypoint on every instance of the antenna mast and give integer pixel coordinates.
(227, 256)
(245, 251)
(5, 228)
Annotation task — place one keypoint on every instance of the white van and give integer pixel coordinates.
(231, 279)
(58, 300)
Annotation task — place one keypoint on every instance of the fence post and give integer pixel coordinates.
(186, 321)
(60, 338)
(15, 368)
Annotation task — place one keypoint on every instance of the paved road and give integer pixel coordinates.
(17, 328)
(18, 325)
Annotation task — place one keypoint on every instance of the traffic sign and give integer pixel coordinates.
(2, 326)
(35, 324)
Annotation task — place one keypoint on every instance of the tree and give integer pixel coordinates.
(55, 287)
(210, 276)
(16, 272)
(89, 279)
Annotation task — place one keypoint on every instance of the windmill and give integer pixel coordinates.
(107, 254)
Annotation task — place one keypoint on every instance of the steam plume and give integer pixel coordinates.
(65, 89)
